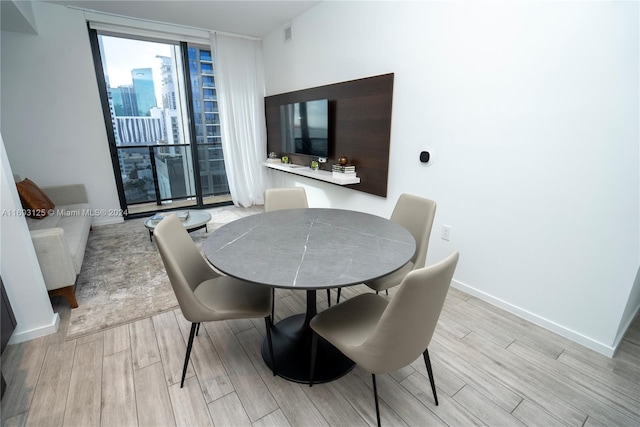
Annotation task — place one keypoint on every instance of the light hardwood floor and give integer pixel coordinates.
(491, 368)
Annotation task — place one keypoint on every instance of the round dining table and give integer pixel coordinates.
(308, 249)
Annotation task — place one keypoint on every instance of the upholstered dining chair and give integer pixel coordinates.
(416, 214)
(202, 293)
(383, 336)
(276, 199)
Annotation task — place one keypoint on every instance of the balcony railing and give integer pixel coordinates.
(164, 173)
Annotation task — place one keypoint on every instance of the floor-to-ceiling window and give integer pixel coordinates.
(164, 129)
(213, 178)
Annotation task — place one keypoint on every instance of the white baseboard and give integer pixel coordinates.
(52, 328)
(540, 321)
(623, 330)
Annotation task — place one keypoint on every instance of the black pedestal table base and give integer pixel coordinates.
(291, 339)
(292, 351)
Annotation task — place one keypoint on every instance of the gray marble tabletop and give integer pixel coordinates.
(309, 248)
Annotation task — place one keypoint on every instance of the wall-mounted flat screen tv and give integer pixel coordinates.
(305, 128)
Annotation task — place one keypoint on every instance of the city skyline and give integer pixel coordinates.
(122, 56)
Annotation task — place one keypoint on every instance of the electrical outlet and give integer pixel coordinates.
(446, 232)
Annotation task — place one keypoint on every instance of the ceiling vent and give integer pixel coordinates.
(287, 33)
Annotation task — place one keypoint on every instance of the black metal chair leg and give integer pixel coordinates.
(198, 329)
(329, 297)
(427, 362)
(273, 303)
(186, 358)
(375, 396)
(314, 351)
(338, 297)
(268, 323)
(387, 291)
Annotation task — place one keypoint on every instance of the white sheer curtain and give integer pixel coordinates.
(240, 89)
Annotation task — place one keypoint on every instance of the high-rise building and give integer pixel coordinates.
(168, 89)
(213, 176)
(124, 101)
(144, 90)
(139, 130)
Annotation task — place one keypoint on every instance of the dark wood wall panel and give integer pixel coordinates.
(360, 127)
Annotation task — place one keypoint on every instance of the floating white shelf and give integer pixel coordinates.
(310, 173)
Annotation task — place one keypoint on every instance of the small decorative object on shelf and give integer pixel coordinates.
(343, 160)
(273, 158)
(285, 159)
(315, 165)
(342, 171)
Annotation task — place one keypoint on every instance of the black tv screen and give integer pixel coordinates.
(305, 128)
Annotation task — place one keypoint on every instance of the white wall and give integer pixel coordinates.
(20, 270)
(531, 112)
(52, 119)
(53, 133)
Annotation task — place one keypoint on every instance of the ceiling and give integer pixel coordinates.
(252, 18)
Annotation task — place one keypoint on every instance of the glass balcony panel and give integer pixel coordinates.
(137, 176)
(213, 175)
(172, 168)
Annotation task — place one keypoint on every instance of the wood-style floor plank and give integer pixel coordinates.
(448, 410)
(360, 396)
(144, 346)
(613, 406)
(517, 376)
(228, 411)
(489, 327)
(85, 390)
(533, 415)
(50, 397)
(118, 391)
(274, 419)
(21, 365)
(483, 408)
(19, 420)
(583, 363)
(411, 410)
(189, 407)
(545, 341)
(153, 404)
(246, 380)
(290, 396)
(474, 371)
(212, 376)
(172, 346)
(116, 340)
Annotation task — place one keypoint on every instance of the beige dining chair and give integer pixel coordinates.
(416, 214)
(203, 294)
(276, 199)
(384, 335)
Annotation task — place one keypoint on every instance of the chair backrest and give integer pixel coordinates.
(416, 214)
(276, 199)
(406, 327)
(185, 265)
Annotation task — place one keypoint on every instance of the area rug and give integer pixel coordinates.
(122, 277)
